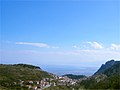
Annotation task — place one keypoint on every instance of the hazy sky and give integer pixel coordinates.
(66, 32)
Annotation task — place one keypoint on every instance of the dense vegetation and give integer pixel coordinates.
(106, 66)
(112, 82)
(113, 69)
(71, 76)
(59, 88)
(28, 66)
(11, 74)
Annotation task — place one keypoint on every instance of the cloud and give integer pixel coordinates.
(55, 47)
(33, 44)
(77, 56)
(75, 46)
(41, 45)
(89, 45)
(115, 47)
(95, 45)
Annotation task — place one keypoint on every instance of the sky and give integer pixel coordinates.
(60, 32)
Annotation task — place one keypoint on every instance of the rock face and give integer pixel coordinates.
(106, 66)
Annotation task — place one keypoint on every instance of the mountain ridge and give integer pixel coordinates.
(106, 66)
(107, 77)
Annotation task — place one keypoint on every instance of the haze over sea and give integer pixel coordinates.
(70, 69)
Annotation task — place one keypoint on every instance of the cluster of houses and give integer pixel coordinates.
(48, 82)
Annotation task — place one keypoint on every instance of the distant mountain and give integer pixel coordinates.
(109, 67)
(10, 75)
(71, 76)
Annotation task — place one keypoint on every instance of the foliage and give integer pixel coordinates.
(112, 82)
(108, 66)
(28, 66)
(71, 76)
(113, 69)
(59, 88)
(11, 75)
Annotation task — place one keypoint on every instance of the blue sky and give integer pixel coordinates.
(53, 32)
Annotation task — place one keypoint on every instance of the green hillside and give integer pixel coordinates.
(105, 78)
(59, 88)
(11, 75)
(109, 65)
(71, 76)
(113, 69)
(112, 82)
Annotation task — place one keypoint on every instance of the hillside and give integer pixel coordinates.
(109, 65)
(113, 69)
(71, 76)
(12, 75)
(107, 77)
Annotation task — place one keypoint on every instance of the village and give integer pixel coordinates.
(48, 82)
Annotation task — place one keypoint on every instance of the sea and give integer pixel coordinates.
(68, 69)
